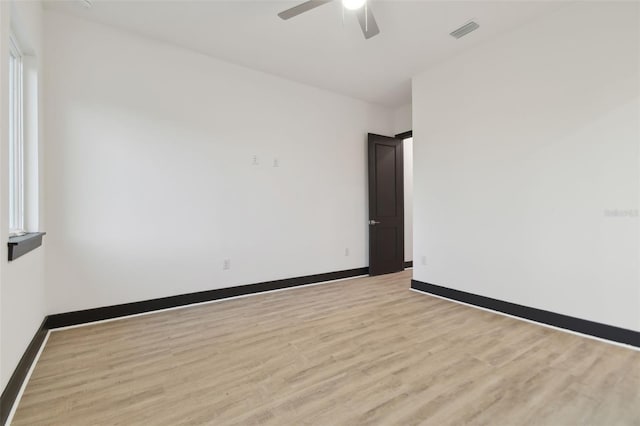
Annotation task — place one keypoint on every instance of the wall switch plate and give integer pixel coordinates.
(226, 264)
(276, 162)
(255, 161)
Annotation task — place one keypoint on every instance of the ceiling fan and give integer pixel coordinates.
(362, 9)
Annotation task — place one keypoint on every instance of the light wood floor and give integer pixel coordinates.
(363, 351)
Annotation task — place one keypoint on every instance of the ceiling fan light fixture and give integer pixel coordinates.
(353, 4)
(359, 7)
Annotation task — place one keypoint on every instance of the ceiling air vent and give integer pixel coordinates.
(465, 29)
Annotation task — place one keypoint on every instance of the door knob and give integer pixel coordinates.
(373, 222)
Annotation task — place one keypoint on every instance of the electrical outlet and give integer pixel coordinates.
(423, 260)
(255, 160)
(346, 251)
(226, 264)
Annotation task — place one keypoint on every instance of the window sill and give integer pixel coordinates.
(24, 244)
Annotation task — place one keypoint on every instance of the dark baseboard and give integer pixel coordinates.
(115, 311)
(603, 331)
(108, 312)
(408, 264)
(14, 384)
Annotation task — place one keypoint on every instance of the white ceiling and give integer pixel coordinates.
(317, 48)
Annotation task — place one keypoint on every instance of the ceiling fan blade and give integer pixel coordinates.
(301, 8)
(367, 22)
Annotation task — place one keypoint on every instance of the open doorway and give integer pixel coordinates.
(407, 152)
(390, 203)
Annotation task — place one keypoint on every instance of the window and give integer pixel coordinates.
(21, 99)
(16, 141)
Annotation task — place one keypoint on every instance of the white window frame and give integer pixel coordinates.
(16, 140)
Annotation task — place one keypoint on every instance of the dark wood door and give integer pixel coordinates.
(386, 205)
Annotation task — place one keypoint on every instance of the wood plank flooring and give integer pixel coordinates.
(358, 352)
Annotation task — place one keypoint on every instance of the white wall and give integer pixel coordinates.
(402, 119)
(22, 289)
(522, 148)
(150, 177)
